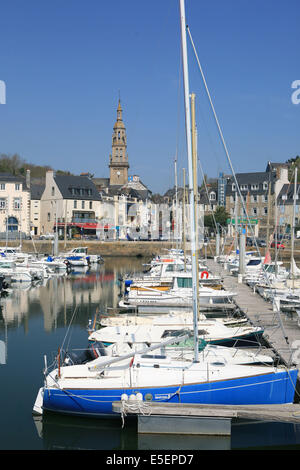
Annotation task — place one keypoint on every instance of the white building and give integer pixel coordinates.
(14, 206)
(72, 203)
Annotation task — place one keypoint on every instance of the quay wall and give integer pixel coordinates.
(133, 248)
(113, 249)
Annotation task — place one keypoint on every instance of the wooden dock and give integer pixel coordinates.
(281, 332)
(197, 419)
(277, 413)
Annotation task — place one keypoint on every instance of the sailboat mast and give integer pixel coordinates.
(191, 179)
(293, 227)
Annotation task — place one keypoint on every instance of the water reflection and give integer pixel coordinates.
(83, 289)
(64, 432)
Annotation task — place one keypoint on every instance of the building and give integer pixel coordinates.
(36, 192)
(123, 197)
(14, 206)
(72, 203)
(285, 208)
(118, 160)
(118, 166)
(259, 192)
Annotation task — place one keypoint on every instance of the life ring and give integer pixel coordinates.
(206, 274)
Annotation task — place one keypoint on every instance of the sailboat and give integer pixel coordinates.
(90, 389)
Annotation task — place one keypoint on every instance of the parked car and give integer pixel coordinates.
(255, 241)
(278, 245)
(47, 236)
(249, 241)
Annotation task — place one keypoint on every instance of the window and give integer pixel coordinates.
(170, 268)
(82, 204)
(2, 186)
(12, 224)
(254, 210)
(254, 262)
(48, 217)
(265, 185)
(52, 191)
(212, 196)
(265, 211)
(255, 187)
(184, 282)
(91, 204)
(17, 203)
(254, 198)
(2, 203)
(17, 186)
(75, 204)
(233, 187)
(244, 187)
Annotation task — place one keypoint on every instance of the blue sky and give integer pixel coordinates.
(65, 62)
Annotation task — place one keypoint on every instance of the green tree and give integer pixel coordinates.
(220, 217)
(293, 163)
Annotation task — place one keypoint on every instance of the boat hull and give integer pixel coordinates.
(271, 388)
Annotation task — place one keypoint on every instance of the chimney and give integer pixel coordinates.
(28, 179)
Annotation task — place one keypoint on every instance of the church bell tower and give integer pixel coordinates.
(118, 160)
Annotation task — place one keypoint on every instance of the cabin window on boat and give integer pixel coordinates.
(254, 262)
(184, 282)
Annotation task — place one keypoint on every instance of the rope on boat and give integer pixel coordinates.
(134, 406)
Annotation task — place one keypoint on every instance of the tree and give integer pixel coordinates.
(293, 163)
(220, 217)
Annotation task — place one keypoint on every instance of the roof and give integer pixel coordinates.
(252, 178)
(287, 191)
(77, 187)
(36, 191)
(9, 178)
(101, 182)
(272, 166)
(118, 190)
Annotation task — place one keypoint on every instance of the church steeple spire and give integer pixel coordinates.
(118, 161)
(119, 112)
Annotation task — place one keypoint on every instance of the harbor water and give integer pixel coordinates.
(35, 321)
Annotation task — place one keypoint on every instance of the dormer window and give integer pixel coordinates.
(212, 196)
(265, 185)
(244, 187)
(254, 187)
